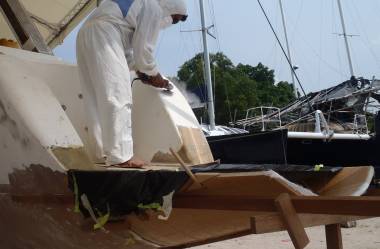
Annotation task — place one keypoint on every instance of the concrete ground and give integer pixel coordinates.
(365, 236)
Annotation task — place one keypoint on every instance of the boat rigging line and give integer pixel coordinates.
(283, 51)
(287, 46)
(345, 35)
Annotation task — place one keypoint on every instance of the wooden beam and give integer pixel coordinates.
(334, 236)
(292, 221)
(270, 223)
(188, 171)
(23, 27)
(373, 192)
(348, 206)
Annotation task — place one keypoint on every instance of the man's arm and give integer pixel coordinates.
(145, 38)
(130, 59)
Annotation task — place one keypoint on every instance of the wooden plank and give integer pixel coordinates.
(270, 223)
(202, 178)
(373, 192)
(195, 146)
(246, 184)
(187, 228)
(187, 169)
(334, 236)
(292, 221)
(348, 206)
(350, 181)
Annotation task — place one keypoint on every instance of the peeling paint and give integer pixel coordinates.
(37, 180)
(8, 122)
(162, 157)
(25, 142)
(55, 225)
(12, 126)
(3, 113)
(5, 188)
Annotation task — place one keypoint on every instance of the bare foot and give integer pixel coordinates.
(132, 163)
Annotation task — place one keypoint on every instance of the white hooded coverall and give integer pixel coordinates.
(112, 42)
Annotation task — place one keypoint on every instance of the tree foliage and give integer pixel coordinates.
(237, 88)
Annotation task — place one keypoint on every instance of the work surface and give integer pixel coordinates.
(365, 236)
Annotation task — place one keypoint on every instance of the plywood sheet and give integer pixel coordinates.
(264, 183)
(350, 181)
(195, 149)
(189, 227)
(166, 121)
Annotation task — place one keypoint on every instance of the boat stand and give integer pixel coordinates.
(292, 214)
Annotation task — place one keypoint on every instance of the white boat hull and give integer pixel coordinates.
(42, 118)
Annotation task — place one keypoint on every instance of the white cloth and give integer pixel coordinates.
(109, 45)
(172, 7)
(166, 22)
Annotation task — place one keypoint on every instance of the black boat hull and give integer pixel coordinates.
(261, 148)
(275, 147)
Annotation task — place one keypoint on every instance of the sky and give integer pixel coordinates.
(245, 37)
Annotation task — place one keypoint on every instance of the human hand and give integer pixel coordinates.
(156, 81)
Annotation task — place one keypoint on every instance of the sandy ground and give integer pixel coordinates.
(365, 236)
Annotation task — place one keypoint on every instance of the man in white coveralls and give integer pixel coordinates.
(118, 37)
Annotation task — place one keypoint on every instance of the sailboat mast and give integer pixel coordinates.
(211, 109)
(345, 38)
(288, 47)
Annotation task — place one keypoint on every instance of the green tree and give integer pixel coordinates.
(238, 87)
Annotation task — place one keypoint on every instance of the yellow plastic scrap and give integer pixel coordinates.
(102, 220)
(154, 206)
(76, 193)
(318, 167)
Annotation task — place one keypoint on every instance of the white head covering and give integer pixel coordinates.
(172, 7)
(166, 22)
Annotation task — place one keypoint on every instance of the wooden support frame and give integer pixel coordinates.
(292, 221)
(270, 223)
(344, 206)
(334, 236)
(197, 184)
(23, 27)
(373, 192)
(328, 211)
